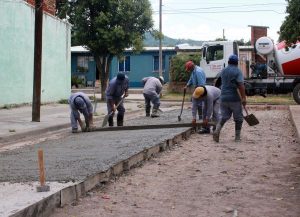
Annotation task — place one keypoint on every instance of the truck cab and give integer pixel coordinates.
(215, 57)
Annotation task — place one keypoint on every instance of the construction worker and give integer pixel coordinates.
(118, 86)
(151, 92)
(197, 79)
(80, 102)
(232, 97)
(209, 97)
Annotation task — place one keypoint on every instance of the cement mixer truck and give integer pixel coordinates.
(279, 73)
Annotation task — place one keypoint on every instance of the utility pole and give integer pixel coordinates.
(160, 38)
(37, 74)
(224, 34)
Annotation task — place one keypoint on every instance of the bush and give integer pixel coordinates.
(177, 69)
(76, 81)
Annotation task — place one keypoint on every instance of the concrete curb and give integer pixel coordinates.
(70, 194)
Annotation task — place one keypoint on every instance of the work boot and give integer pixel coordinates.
(148, 112)
(238, 127)
(237, 136)
(204, 130)
(216, 134)
(155, 113)
(111, 121)
(120, 119)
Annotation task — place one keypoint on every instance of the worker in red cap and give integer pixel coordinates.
(197, 78)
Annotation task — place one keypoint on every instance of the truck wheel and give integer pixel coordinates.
(296, 93)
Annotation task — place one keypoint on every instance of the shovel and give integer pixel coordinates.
(105, 120)
(250, 119)
(179, 116)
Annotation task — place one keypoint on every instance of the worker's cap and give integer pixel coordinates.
(161, 79)
(79, 103)
(120, 76)
(233, 59)
(198, 92)
(189, 66)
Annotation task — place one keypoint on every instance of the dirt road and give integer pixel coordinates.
(257, 177)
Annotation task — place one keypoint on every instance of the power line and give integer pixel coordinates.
(214, 12)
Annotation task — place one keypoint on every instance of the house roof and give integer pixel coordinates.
(79, 49)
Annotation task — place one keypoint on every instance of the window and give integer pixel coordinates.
(124, 65)
(156, 63)
(214, 53)
(83, 63)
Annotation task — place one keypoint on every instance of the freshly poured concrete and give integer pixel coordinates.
(84, 154)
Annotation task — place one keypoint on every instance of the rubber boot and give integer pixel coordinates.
(237, 136)
(154, 113)
(120, 120)
(111, 121)
(204, 130)
(238, 127)
(148, 111)
(216, 134)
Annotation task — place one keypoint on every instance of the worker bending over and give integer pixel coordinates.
(208, 97)
(118, 86)
(151, 92)
(80, 102)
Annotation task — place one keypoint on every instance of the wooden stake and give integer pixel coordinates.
(42, 187)
(41, 166)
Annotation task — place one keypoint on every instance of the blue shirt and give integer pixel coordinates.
(231, 77)
(117, 88)
(197, 77)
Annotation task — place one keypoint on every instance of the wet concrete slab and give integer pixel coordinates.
(80, 155)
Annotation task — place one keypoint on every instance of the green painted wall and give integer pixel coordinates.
(17, 55)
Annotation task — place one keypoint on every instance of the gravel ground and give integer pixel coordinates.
(259, 176)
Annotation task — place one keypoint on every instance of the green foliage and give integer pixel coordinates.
(177, 69)
(107, 27)
(63, 101)
(290, 29)
(76, 81)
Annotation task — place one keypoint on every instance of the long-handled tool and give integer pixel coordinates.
(105, 120)
(179, 116)
(250, 119)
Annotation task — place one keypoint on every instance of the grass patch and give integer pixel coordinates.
(63, 101)
(281, 99)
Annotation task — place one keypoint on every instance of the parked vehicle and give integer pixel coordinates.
(279, 74)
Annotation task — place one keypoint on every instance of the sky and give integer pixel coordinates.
(207, 19)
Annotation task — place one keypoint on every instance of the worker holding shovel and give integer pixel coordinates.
(233, 97)
(208, 97)
(152, 89)
(118, 86)
(197, 78)
(80, 103)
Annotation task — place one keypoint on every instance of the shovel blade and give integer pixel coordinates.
(179, 118)
(251, 120)
(105, 120)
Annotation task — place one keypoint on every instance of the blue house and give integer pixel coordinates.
(134, 65)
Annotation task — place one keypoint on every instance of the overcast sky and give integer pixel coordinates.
(205, 20)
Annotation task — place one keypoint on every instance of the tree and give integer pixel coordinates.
(290, 28)
(107, 27)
